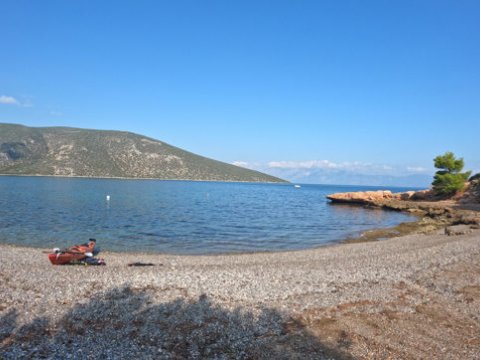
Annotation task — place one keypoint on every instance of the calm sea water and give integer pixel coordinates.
(179, 216)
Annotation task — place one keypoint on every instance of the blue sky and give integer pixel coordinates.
(315, 91)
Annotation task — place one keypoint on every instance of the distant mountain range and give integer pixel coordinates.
(62, 151)
(342, 177)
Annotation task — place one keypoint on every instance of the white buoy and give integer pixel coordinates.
(108, 197)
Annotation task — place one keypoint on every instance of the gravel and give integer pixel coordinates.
(217, 307)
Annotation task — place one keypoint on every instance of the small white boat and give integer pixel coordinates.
(297, 186)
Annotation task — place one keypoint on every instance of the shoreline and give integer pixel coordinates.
(142, 178)
(409, 296)
(422, 225)
(432, 216)
(415, 285)
(348, 240)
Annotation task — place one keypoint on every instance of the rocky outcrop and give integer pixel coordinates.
(472, 192)
(458, 230)
(433, 215)
(374, 197)
(361, 197)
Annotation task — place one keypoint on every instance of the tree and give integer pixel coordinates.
(449, 179)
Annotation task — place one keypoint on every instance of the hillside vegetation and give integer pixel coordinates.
(61, 151)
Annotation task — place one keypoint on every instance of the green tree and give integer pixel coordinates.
(449, 179)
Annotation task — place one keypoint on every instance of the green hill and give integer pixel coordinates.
(62, 151)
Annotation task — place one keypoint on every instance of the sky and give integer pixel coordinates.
(351, 92)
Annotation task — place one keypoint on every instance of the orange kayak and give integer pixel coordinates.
(76, 252)
(63, 258)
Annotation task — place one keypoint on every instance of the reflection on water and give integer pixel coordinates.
(178, 217)
(370, 215)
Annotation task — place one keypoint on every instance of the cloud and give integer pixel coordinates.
(309, 164)
(241, 164)
(417, 169)
(8, 100)
(354, 166)
(348, 172)
(294, 169)
(251, 165)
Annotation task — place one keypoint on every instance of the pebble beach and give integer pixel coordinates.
(415, 296)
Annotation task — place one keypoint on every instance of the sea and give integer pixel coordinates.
(180, 217)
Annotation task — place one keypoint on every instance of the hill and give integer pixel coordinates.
(62, 151)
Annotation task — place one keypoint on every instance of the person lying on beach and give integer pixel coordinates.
(86, 249)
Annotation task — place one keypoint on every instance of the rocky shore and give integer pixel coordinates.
(458, 215)
(408, 297)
